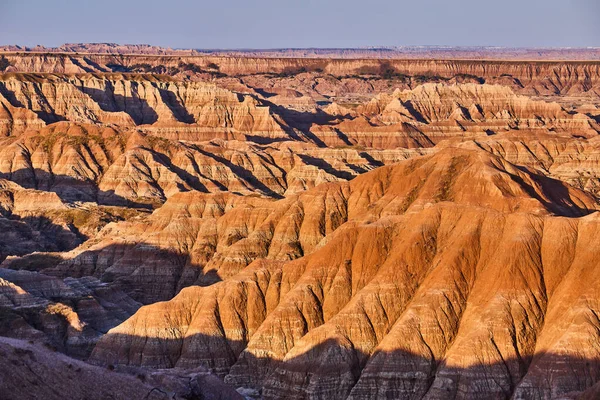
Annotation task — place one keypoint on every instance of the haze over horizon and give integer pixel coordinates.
(268, 24)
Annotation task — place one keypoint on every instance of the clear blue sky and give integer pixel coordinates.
(306, 23)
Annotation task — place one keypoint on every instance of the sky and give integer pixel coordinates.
(263, 24)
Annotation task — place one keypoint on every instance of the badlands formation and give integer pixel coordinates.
(185, 226)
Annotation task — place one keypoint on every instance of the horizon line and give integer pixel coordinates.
(369, 47)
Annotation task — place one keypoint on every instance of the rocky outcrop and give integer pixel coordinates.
(36, 220)
(567, 159)
(431, 113)
(417, 253)
(116, 100)
(14, 120)
(306, 228)
(538, 77)
(70, 314)
(194, 111)
(31, 371)
(101, 164)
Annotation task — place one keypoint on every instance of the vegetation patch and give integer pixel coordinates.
(385, 70)
(469, 77)
(296, 70)
(429, 76)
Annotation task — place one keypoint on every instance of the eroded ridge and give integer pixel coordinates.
(301, 228)
(450, 274)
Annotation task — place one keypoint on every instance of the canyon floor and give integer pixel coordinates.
(191, 226)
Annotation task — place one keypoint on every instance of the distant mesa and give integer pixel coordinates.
(373, 52)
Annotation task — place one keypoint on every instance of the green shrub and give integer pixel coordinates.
(429, 77)
(470, 77)
(190, 67)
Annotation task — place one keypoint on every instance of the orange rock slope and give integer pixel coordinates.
(457, 274)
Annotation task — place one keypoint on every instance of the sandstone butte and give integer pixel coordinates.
(176, 225)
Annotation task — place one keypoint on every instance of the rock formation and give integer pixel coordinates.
(300, 228)
(458, 239)
(30, 371)
(70, 314)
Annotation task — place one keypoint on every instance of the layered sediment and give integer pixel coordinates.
(303, 228)
(375, 308)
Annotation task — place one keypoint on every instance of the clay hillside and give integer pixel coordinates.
(182, 225)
